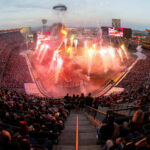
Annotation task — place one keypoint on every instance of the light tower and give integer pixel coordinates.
(44, 22)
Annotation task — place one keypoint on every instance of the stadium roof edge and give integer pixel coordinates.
(10, 30)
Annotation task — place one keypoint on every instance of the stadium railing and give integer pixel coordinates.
(122, 106)
(95, 113)
(124, 109)
(123, 113)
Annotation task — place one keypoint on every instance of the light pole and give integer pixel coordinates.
(44, 22)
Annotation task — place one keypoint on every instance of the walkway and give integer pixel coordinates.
(84, 139)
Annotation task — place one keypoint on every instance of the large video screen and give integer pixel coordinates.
(43, 36)
(115, 31)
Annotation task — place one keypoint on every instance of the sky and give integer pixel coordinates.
(134, 14)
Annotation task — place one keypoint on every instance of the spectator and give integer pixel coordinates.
(5, 140)
(137, 121)
(105, 132)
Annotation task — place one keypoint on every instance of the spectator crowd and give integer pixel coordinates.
(13, 67)
(30, 122)
(34, 122)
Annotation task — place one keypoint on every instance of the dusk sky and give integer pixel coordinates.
(134, 14)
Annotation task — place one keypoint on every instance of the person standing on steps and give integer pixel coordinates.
(77, 104)
(81, 101)
(89, 100)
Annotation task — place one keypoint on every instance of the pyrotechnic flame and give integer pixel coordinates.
(120, 54)
(64, 32)
(69, 50)
(56, 64)
(85, 44)
(112, 52)
(58, 68)
(55, 55)
(94, 46)
(91, 52)
(71, 40)
(46, 47)
(75, 42)
(65, 42)
(40, 51)
(59, 62)
(123, 46)
(108, 57)
(37, 44)
(103, 52)
(71, 37)
(124, 50)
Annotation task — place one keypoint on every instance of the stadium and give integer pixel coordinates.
(74, 88)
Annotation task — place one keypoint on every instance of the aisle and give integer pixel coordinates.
(86, 134)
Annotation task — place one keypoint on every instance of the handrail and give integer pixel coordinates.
(123, 105)
(104, 113)
(122, 114)
(128, 107)
(141, 141)
(122, 109)
(96, 114)
(99, 115)
(97, 110)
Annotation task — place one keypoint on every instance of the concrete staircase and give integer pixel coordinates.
(86, 134)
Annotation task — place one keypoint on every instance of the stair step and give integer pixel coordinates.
(79, 117)
(63, 147)
(80, 123)
(67, 139)
(82, 129)
(87, 138)
(86, 131)
(90, 147)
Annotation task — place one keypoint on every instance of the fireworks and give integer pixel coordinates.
(91, 54)
(124, 50)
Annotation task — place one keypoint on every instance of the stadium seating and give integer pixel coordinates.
(15, 70)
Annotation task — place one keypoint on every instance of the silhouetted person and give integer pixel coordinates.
(5, 140)
(89, 100)
(81, 101)
(105, 132)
